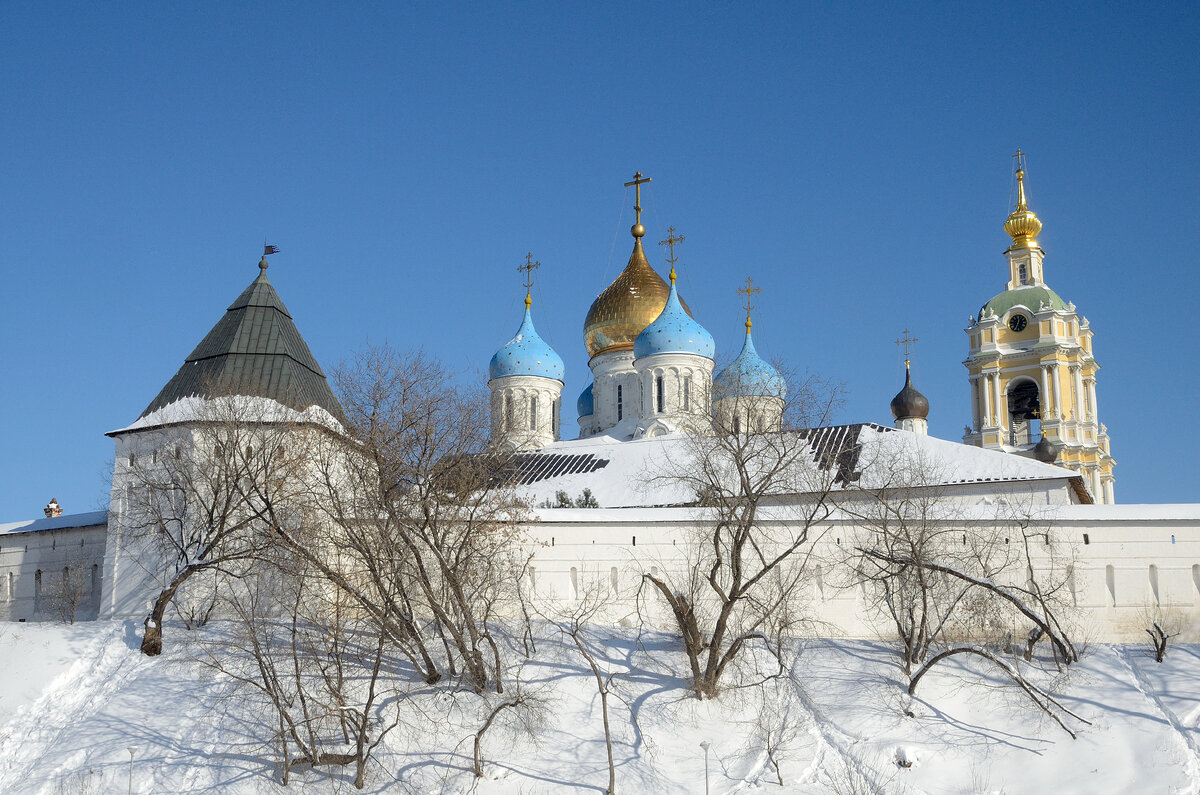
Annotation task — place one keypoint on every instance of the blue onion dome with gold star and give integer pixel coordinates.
(749, 375)
(909, 404)
(586, 403)
(526, 354)
(674, 331)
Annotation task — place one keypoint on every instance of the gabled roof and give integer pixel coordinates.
(65, 522)
(255, 349)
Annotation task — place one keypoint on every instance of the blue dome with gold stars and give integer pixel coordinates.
(749, 375)
(526, 354)
(674, 331)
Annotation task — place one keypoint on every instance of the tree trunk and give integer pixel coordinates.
(152, 644)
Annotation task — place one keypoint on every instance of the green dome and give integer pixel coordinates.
(1031, 297)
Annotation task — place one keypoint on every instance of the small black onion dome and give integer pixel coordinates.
(1045, 451)
(909, 403)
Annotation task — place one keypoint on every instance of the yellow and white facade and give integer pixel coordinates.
(1032, 369)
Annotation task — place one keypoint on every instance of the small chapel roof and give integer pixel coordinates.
(255, 350)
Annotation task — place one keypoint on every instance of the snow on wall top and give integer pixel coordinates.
(242, 407)
(67, 521)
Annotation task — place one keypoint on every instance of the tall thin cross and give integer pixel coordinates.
(638, 180)
(1020, 158)
(528, 268)
(907, 342)
(749, 291)
(671, 240)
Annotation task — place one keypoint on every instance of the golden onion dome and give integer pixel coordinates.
(1022, 226)
(632, 302)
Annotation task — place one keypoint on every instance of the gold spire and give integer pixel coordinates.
(1022, 225)
(671, 241)
(528, 268)
(749, 291)
(637, 230)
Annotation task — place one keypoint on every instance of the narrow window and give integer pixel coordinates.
(1195, 580)
(554, 418)
(658, 387)
(95, 579)
(508, 411)
(737, 425)
(533, 424)
(1022, 274)
(574, 583)
(37, 590)
(1110, 579)
(687, 393)
(620, 404)
(1071, 585)
(1154, 584)
(612, 576)
(532, 580)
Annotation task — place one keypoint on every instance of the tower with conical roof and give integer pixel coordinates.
(673, 358)
(1032, 370)
(526, 379)
(618, 315)
(749, 394)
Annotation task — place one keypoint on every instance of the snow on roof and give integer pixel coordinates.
(629, 474)
(90, 519)
(248, 408)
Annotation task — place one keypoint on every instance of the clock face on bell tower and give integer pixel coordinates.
(1018, 322)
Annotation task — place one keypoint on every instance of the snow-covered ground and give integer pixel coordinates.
(74, 700)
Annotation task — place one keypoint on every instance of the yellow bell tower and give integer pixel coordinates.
(1032, 372)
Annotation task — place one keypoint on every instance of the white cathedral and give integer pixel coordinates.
(654, 385)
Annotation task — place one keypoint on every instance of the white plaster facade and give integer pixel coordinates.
(526, 411)
(675, 392)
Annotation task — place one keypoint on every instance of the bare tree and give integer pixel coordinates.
(948, 583)
(73, 588)
(208, 495)
(413, 520)
(744, 579)
(1162, 625)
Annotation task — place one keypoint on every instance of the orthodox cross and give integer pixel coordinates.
(749, 291)
(671, 240)
(1020, 158)
(528, 268)
(638, 180)
(907, 342)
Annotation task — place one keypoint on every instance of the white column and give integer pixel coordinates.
(1091, 385)
(1045, 390)
(1057, 392)
(996, 420)
(987, 400)
(1077, 371)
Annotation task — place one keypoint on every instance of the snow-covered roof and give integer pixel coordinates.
(66, 521)
(243, 407)
(628, 474)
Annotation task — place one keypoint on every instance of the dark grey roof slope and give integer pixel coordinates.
(255, 349)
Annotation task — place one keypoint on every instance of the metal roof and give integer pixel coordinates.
(254, 349)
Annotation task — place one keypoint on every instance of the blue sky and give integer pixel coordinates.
(405, 157)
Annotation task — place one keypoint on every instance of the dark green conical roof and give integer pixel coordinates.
(255, 349)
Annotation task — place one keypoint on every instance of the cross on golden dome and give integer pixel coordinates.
(671, 241)
(749, 291)
(907, 342)
(638, 180)
(528, 268)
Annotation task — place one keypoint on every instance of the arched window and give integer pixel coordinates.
(508, 411)
(1154, 584)
(1024, 412)
(574, 583)
(533, 423)
(1071, 585)
(612, 577)
(1023, 273)
(687, 393)
(37, 590)
(1110, 579)
(620, 403)
(658, 388)
(554, 418)
(95, 579)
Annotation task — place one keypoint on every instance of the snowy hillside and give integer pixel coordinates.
(74, 700)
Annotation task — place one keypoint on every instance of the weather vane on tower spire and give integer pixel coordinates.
(528, 268)
(638, 230)
(749, 291)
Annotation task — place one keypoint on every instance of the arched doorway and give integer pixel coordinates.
(1024, 413)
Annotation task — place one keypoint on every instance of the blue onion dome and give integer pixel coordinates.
(749, 375)
(586, 403)
(674, 331)
(909, 403)
(526, 354)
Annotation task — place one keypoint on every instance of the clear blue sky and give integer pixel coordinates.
(405, 157)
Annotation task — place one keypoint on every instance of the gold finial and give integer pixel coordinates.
(638, 230)
(1022, 225)
(671, 241)
(749, 291)
(528, 268)
(907, 341)
(267, 251)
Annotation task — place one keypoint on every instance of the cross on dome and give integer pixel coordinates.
(907, 341)
(749, 291)
(638, 180)
(528, 268)
(671, 241)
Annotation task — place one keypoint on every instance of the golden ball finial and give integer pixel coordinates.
(637, 230)
(1022, 225)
